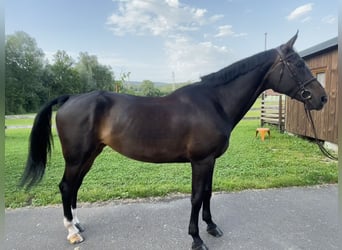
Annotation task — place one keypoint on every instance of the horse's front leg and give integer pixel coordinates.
(200, 172)
(196, 203)
(212, 228)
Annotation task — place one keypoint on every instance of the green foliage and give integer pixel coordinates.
(93, 75)
(31, 80)
(63, 78)
(279, 161)
(120, 86)
(24, 69)
(147, 89)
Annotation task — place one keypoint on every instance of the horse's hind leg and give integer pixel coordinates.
(71, 182)
(84, 170)
(75, 219)
(66, 187)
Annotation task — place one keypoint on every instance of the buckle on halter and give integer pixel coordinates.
(305, 94)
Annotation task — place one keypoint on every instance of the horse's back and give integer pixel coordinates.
(124, 122)
(174, 128)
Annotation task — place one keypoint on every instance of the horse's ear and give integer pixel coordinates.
(287, 47)
(291, 42)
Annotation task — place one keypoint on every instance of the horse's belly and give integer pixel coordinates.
(154, 153)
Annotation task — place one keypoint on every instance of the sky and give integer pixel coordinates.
(170, 40)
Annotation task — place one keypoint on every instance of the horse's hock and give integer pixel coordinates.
(262, 132)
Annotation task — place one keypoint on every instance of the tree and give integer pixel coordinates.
(24, 68)
(103, 77)
(148, 89)
(93, 75)
(120, 84)
(64, 78)
(31, 80)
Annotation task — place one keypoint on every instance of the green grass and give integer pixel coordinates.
(255, 111)
(279, 161)
(19, 122)
(24, 120)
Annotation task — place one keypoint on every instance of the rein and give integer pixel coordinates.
(304, 94)
(318, 142)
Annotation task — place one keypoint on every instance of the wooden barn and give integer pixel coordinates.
(322, 60)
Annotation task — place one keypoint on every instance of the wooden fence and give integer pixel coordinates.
(273, 111)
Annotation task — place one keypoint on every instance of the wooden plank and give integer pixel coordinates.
(273, 111)
(325, 120)
(273, 121)
(274, 116)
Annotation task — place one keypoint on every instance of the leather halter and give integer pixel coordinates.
(305, 94)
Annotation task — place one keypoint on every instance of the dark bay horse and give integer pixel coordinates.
(192, 124)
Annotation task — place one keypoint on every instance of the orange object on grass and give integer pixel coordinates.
(263, 132)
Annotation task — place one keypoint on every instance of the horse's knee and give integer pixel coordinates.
(63, 187)
(197, 198)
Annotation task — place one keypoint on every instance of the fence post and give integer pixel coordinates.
(262, 109)
(280, 113)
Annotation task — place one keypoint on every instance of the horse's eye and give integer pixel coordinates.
(300, 63)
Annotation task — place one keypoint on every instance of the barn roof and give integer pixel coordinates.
(319, 48)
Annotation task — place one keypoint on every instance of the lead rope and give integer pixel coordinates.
(319, 143)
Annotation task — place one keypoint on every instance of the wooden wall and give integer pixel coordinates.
(326, 119)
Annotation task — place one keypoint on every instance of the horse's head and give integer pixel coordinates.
(291, 76)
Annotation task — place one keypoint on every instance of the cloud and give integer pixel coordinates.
(227, 30)
(180, 28)
(330, 19)
(155, 17)
(306, 19)
(299, 12)
(190, 59)
(173, 3)
(216, 17)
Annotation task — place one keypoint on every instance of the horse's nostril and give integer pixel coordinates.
(324, 99)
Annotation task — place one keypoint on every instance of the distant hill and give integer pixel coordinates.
(169, 87)
(162, 86)
(139, 82)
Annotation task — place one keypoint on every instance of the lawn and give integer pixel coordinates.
(279, 161)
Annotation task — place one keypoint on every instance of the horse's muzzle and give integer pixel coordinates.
(310, 104)
(324, 99)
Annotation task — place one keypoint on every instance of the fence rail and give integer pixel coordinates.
(273, 111)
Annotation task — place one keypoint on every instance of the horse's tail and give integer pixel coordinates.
(40, 144)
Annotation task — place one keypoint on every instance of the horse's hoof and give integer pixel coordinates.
(201, 246)
(79, 227)
(215, 231)
(75, 239)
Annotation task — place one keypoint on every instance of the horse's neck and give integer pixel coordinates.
(237, 97)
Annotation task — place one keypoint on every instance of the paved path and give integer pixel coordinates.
(289, 218)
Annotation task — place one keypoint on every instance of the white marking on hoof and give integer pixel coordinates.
(73, 232)
(75, 239)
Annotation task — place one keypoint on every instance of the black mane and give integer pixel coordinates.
(236, 69)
